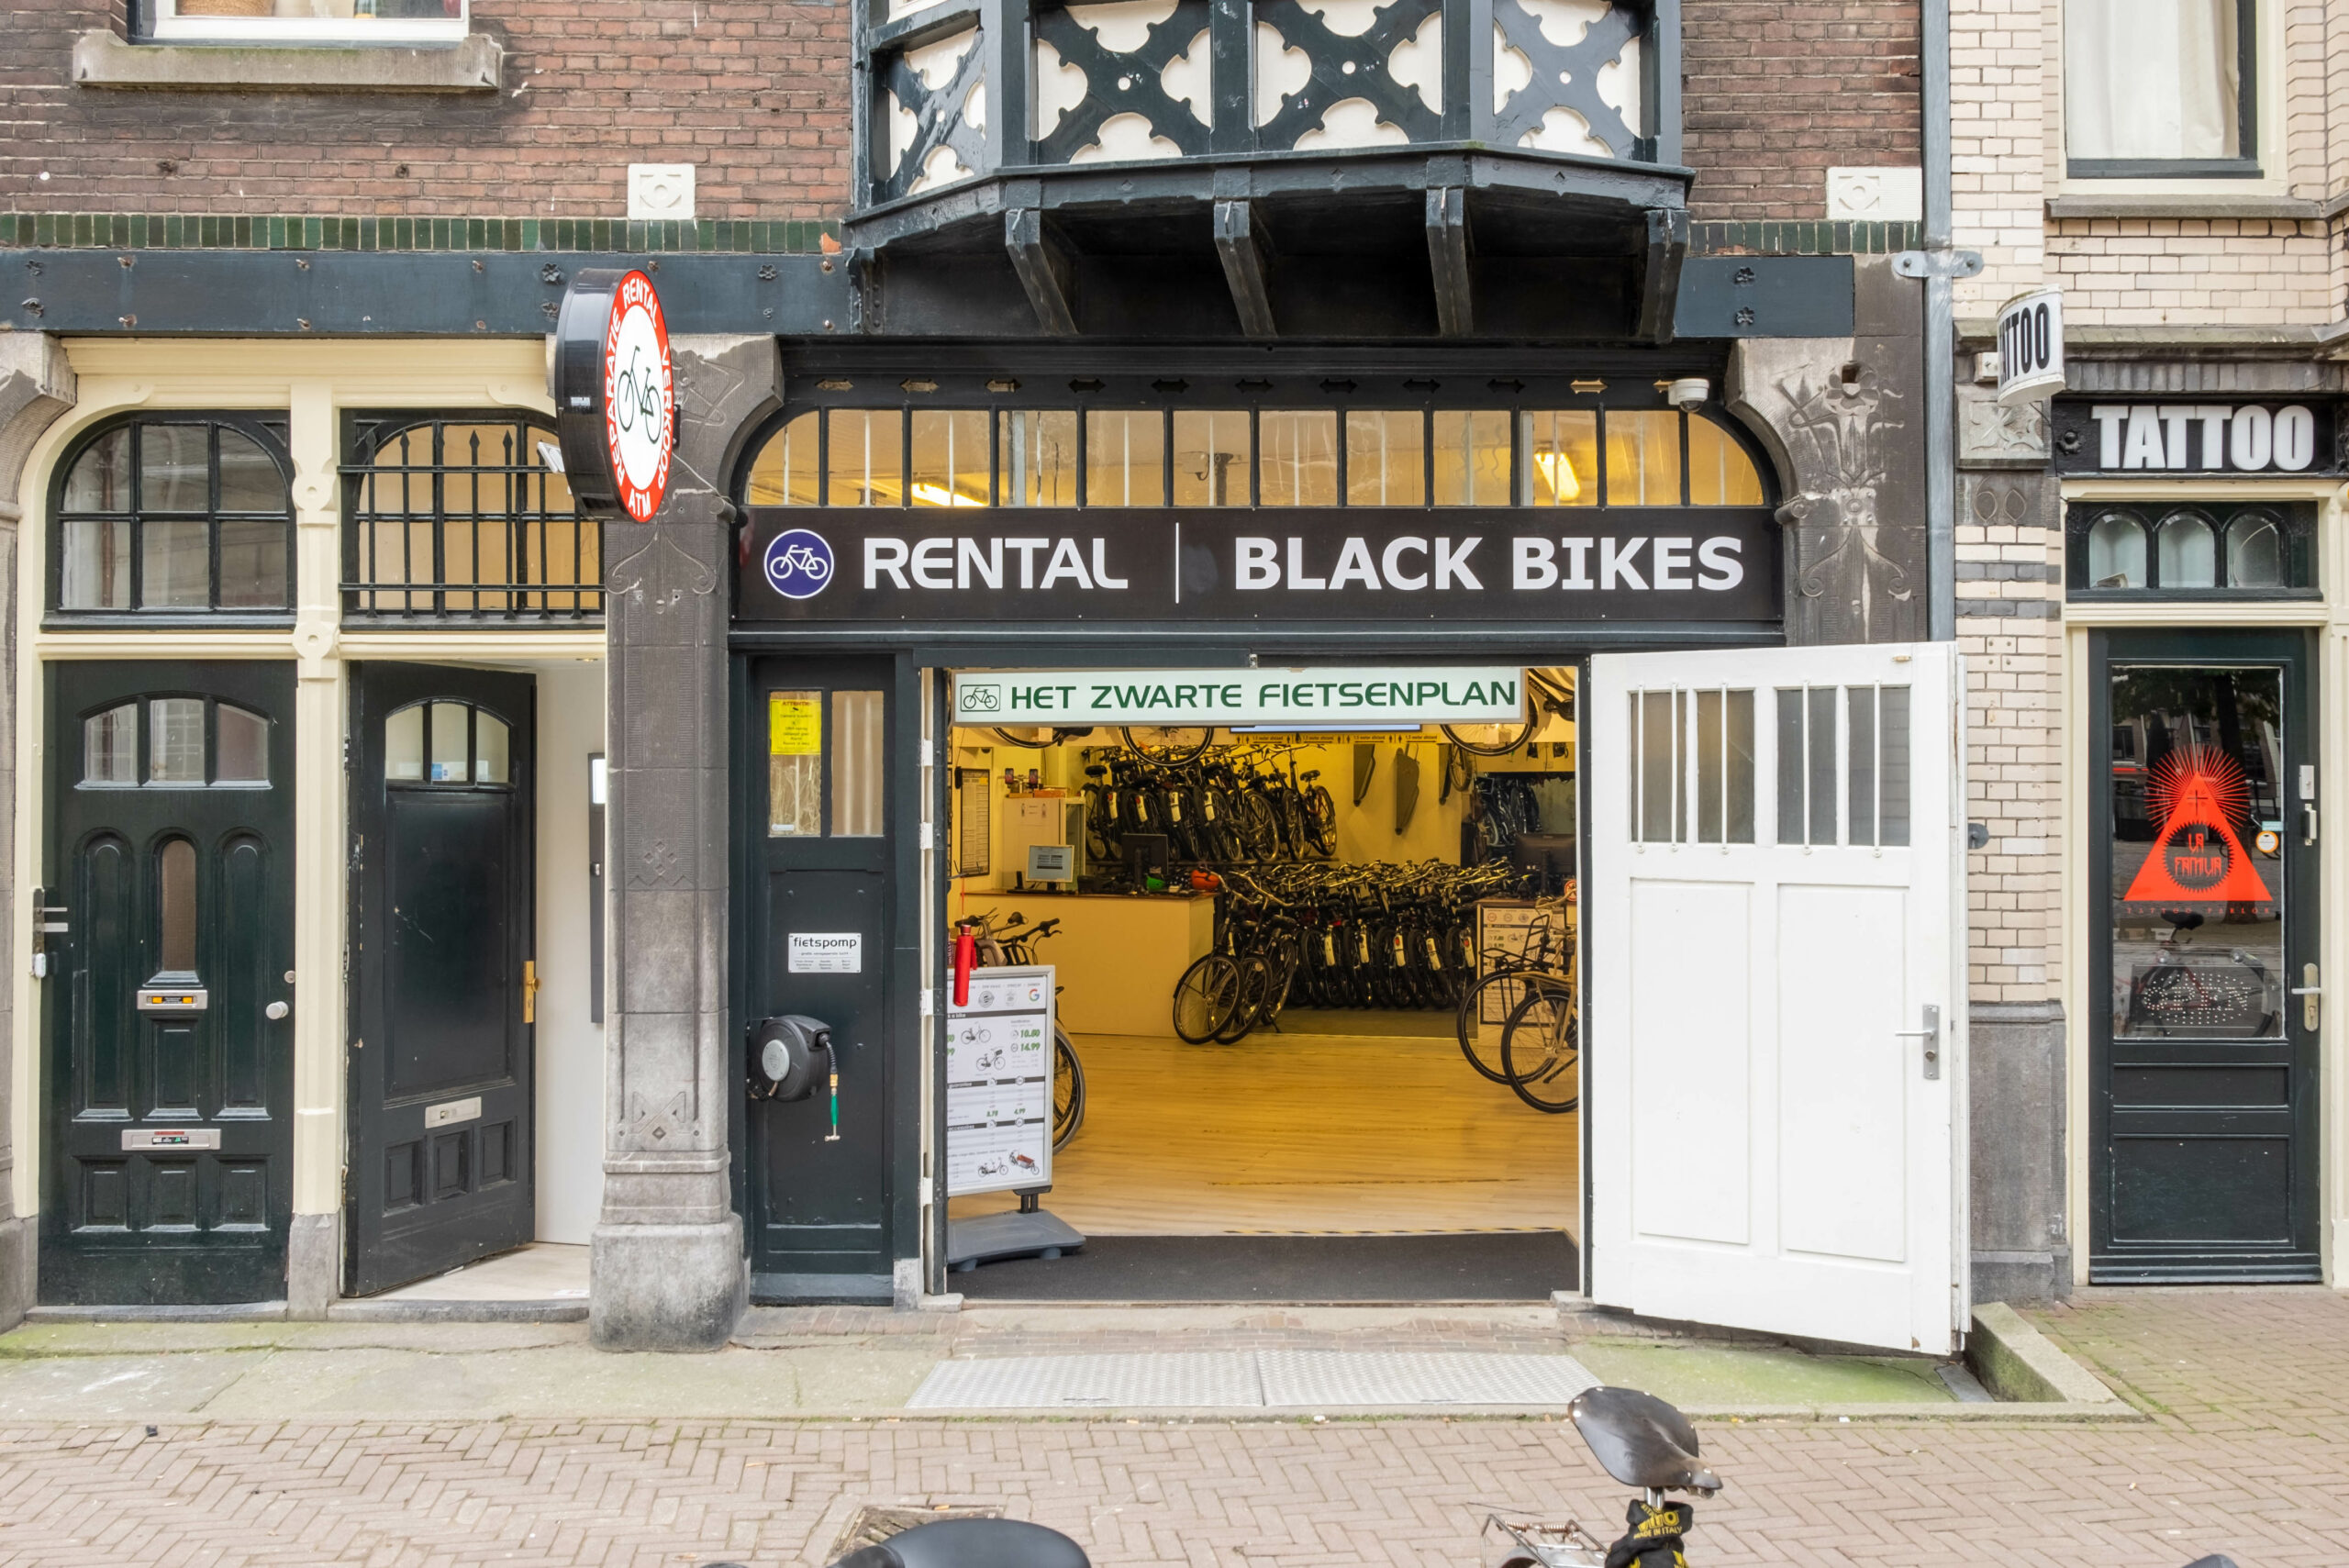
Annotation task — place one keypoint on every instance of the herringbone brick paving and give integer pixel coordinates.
(2247, 1453)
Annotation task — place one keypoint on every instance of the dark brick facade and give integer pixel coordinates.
(756, 92)
(1777, 91)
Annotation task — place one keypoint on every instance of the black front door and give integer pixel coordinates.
(819, 826)
(2203, 958)
(168, 1179)
(441, 966)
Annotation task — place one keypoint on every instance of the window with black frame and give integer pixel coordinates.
(175, 515)
(2190, 549)
(1259, 456)
(464, 517)
(2160, 89)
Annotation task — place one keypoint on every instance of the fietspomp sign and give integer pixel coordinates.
(1361, 698)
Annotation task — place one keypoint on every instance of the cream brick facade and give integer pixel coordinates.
(2233, 283)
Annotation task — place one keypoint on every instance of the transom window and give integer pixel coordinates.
(1260, 456)
(304, 22)
(175, 515)
(464, 517)
(447, 743)
(174, 743)
(2160, 88)
(2196, 548)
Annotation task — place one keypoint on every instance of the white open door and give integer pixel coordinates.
(1772, 916)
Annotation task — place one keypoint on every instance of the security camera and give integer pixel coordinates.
(789, 1056)
(1689, 392)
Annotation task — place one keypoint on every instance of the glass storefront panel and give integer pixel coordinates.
(2196, 918)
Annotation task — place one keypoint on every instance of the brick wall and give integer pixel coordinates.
(754, 92)
(1777, 91)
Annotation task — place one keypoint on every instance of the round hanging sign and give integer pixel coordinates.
(615, 395)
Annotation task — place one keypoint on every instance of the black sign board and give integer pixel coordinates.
(2273, 438)
(834, 566)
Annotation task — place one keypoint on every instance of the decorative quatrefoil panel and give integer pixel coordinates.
(1121, 80)
(1566, 76)
(1348, 73)
(936, 103)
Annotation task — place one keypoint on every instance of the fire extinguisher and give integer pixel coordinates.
(966, 959)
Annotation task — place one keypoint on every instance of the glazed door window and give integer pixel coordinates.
(2197, 897)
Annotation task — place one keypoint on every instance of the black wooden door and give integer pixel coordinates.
(168, 1179)
(819, 823)
(442, 976)
(2203, 927)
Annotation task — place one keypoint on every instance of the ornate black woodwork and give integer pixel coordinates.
(1428, 205)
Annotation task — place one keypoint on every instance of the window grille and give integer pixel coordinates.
(464, 517)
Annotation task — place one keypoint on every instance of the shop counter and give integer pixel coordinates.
(1118, 955)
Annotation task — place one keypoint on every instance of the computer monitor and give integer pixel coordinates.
(1145, 853)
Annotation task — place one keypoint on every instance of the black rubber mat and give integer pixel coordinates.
(1481, 1266)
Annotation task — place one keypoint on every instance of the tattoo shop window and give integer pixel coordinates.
(2160, 89)
(2190, 550)
(174, 514)
(304, 22)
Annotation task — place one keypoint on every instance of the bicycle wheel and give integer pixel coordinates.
(1068, 1089)
(1255, 986)
(1168, 743)
(1488, 1004)
(1260, 827)
(1205, 997)
(1539, 1051)
(1489, 740)
(1283, 958)
(1320, 821)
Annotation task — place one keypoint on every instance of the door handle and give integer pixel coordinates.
(276, 1010)
(2308, 995)
(1931, 1035)
(529, 991)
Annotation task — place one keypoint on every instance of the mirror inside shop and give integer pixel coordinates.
(1313, 1019)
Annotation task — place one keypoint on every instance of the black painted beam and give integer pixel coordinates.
(1045, 270)
(1448, 260)
(1246, 253)
(1667, 249)
(333, 293)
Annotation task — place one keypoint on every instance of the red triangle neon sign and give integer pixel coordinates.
(2198, 857)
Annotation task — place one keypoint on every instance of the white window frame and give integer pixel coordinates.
(404, 31)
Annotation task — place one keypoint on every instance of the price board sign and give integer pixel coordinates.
(1000, 1083)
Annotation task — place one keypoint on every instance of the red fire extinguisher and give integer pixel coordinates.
(966, 959)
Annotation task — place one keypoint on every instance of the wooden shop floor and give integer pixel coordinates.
(1298, 1134)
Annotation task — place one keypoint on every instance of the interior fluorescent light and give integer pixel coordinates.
(1559, 475)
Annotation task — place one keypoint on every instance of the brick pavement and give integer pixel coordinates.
(2249, 1388)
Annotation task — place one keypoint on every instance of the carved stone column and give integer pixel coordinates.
(1844, 421)
(36, 386)
(669, 1268)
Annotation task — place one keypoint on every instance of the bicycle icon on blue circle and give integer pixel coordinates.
(798, 563)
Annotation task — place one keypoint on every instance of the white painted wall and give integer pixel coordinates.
(571, 1047)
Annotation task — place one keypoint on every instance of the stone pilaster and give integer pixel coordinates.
(1843, 420)
(36, 386)
(669, 1268)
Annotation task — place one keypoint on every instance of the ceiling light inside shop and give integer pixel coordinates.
(1558, 474)
(930, 495)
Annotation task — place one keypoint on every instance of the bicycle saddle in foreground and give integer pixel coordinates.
(972, 1543)
(1641, 1441)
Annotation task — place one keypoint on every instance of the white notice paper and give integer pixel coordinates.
(824, 952)
(1000, 1083)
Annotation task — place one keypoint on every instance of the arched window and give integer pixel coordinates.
(174, 514)
(447, 743)
(2116, 551)
(2187, 551)
(464, 517)
(184, 742)
(2208, 549)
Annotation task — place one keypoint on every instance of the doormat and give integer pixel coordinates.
(1266, 1380)
(1499, 1265)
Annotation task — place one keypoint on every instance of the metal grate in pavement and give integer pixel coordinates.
(1419, 1377)
(1197, 1381)
(1251, 1380)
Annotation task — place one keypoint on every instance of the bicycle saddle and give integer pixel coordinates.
(1641, 1441)
(972, 1543)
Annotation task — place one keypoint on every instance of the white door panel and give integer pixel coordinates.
(1774, 893)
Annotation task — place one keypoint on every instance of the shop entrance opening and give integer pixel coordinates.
(1284, 1073)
